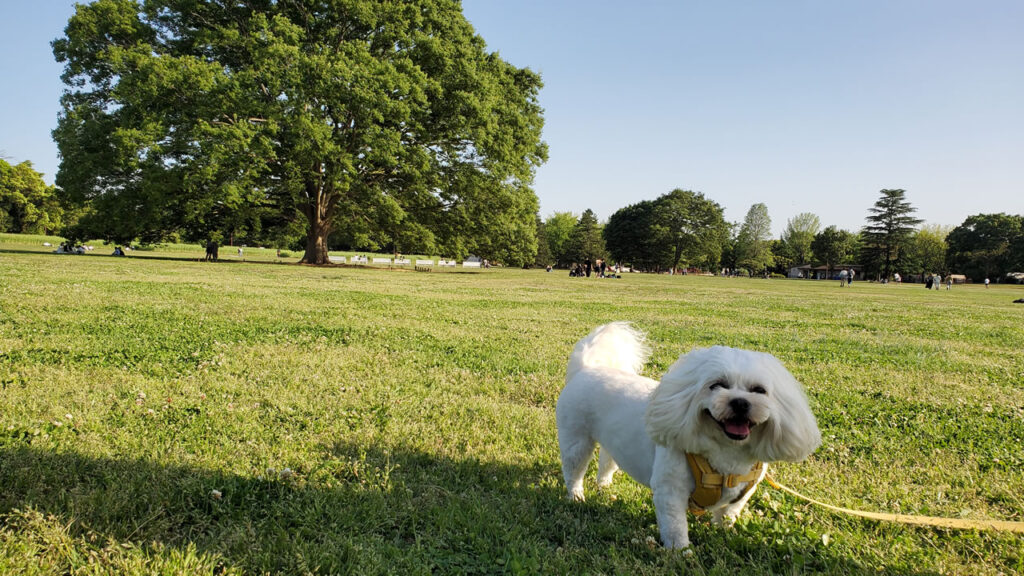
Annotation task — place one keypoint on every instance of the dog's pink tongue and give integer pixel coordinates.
(738, 428)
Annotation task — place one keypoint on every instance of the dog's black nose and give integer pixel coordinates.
(740, 406)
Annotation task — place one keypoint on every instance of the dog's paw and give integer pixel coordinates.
(576, 495)
(724, 520)
(681, 544)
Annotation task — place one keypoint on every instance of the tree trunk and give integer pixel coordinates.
(319, 211)
(316, 244)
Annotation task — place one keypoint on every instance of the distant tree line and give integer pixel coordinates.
(680, 229)
(684, 229)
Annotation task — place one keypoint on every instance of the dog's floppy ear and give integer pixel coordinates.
(672, 411)
(791, 434)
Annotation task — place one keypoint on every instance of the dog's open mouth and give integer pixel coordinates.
(737, 428)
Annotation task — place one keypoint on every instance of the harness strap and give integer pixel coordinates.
(708, 483)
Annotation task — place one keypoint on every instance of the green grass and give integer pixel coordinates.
(413, 417)
(183, 251)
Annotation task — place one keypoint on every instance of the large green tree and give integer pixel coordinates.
(27, 204)
(634, 235)
(558, 227)
(386, 118)
(987, 245)
(679, 228)
(798, 236)
(753, 244)
(586, 241)
(889, 226)
(695, 227)
(833, 247)
(926, 250)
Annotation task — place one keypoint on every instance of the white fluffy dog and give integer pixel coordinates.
(735, 408)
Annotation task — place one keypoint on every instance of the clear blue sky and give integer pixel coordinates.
(806, 106)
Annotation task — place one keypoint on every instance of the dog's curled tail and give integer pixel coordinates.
(617, 345)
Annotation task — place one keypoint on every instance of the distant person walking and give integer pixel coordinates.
(949, 282)
(986, 283)
(843, 275)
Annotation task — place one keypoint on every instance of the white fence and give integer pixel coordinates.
(363, 260)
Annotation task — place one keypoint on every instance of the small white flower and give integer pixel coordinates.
(69, 416)
(216, 494)
(287, 473)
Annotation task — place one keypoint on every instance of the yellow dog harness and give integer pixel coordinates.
(709, 483)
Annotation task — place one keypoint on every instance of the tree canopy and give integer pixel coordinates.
(889, 226)
(833, 247)
(384, 121)
(633, 235)
(987, 245)
(557, 228)
(585, 242)
(27, 204)
(753, 247)
(695, 228)
(680, 227)
(926, 250)
(798, 236)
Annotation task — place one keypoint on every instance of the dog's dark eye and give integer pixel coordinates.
(758, 389)
(718, 384)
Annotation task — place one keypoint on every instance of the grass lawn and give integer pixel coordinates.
(172, 416)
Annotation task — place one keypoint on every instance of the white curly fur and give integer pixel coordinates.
(734, 407)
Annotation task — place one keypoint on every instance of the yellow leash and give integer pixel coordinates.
(957, 523)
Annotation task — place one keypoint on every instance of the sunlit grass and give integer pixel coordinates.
(373, 421)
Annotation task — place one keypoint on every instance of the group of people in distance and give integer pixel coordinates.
(935, 280)
(72, 248)
(598, 267)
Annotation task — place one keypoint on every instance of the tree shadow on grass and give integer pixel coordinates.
(364, 510)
